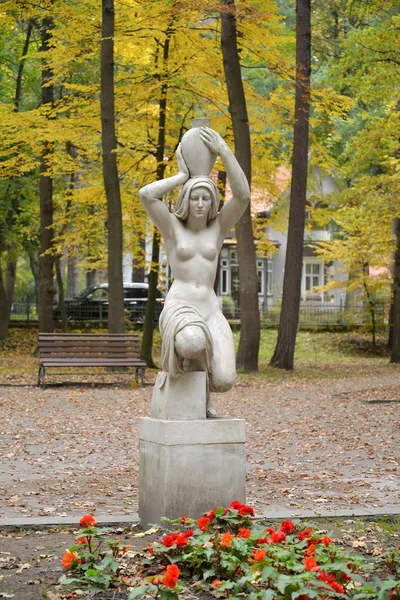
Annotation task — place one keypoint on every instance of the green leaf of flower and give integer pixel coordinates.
(209, 573)
(269, 573)
(138, 592)
(169, 596)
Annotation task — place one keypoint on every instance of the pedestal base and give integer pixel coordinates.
(181, 398)
(189, 467)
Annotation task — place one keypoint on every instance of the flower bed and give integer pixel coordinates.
(227, 554)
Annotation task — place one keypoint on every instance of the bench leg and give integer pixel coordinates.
(140, 375)
(41, 377)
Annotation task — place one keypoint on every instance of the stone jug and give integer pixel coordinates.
(198, 157)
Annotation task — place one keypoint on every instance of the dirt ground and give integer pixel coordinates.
(316, 441)
(30, 561)
(327, 444)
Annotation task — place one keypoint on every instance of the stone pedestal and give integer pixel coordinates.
(189, 466)
(181, 398)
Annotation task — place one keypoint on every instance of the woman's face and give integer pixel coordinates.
(200, 202)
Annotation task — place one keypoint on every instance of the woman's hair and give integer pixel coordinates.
(182, 206)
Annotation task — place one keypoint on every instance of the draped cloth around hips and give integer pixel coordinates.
(175, 317)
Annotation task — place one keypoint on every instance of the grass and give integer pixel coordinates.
(318, 355)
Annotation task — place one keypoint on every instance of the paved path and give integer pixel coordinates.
(325, 447)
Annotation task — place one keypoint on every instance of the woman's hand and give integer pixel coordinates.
(182, 166)
(213, 140)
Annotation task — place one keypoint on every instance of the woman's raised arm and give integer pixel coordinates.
(236, 205)
(151, 196)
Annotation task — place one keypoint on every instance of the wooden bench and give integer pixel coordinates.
(89, 350)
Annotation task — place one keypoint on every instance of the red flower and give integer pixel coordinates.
(88, 521)
(287, 526)
(81, 540)
(226, 539)
(203, 523)
(181, 540)
(244, 533)
(259, 554)
(210, 514)
(188, 533)
(216, 583)
(243, 509)
(270, 530)
(310, 550)
(246, 510)
(330, 580)
(172, 576)
(184, 519)
(178, 539)
(323, 576)
(310, 564)
(326, 541)
(262, 540)
(276, 537)
(68, 558)
(169, 540)
(303, 535)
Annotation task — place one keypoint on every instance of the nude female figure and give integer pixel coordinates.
(196, 335)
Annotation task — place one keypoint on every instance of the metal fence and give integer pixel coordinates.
(332, 316)
(321, 316)
(24, 309)
(316, 316)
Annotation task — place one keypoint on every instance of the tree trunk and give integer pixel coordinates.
(72, 276)
(7, 286)
(11, 274)
(72, 258)
(46, 260)
(61, 296)
(152, 278)
(148, 325)
(289, 319)
(138, 268)
(222, 195)
(34, 264)
(389, 343)
(116, 317)
(395, 355)
(247, 356)
(91, 277)
(4, 307)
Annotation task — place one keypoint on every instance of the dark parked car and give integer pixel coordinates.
(92, 303)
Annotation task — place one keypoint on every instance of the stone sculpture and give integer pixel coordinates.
(195, 334)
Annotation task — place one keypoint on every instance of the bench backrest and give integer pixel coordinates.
(68, 345)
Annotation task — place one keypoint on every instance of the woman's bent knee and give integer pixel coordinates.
(190, 342)
(222, 382)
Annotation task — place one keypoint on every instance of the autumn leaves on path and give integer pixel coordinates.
(328, 445)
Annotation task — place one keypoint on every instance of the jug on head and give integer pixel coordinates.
(198, 157)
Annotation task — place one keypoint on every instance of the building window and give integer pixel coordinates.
(224, 276)
(313, 275)
(260, 277)
(269, 276)
(235, 286)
